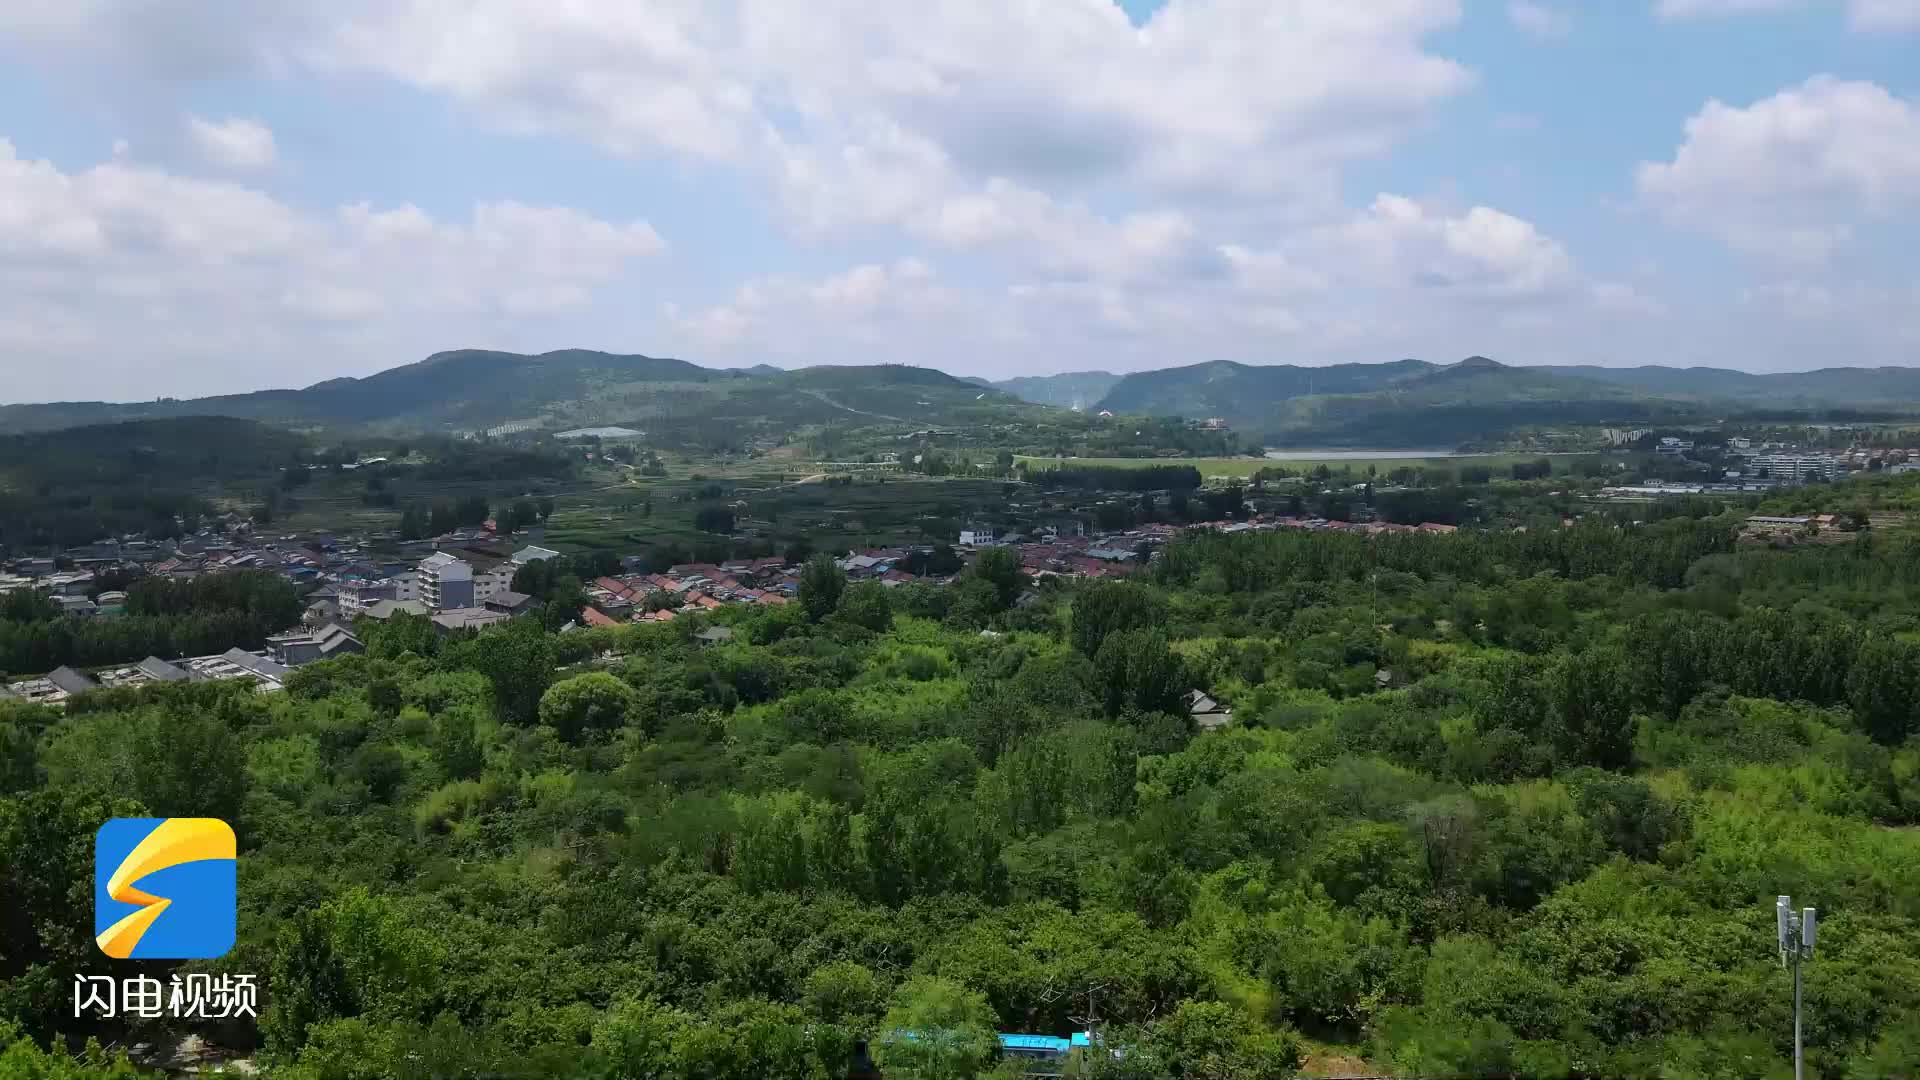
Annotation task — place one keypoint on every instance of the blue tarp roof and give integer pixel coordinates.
(1047, 1043)
(1025, 1044)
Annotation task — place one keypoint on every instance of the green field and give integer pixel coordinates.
(1243, 467)
(1211, 466)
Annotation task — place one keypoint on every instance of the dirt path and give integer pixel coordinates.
(824, 396)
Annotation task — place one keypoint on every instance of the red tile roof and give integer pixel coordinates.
(594, 617)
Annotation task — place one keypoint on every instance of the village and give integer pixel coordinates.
(463, 581)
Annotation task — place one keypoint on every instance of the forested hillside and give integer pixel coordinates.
(1868, 387)
(1067, 390)
(1501, 804)
(79, 484)
(1406, 403)
(1403, 403)
(470, 390)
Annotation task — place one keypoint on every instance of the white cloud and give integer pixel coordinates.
(1000, 128)
(1868, 16)
(854, 111)
(1482, 253)
(1890, 15)
(1694, 9)
(1540, 20)
(148, 266)
(1084, 191)
(1456, 281)
(871, 306)
(235, 143)
(1795, 174)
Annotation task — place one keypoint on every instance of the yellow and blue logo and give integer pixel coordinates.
(164, 888)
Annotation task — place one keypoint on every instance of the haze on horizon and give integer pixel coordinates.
(270, 195)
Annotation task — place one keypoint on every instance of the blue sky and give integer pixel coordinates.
(267, 193)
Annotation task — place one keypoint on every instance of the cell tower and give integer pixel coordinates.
(1796, 931)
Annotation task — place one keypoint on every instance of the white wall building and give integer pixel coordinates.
(488, 583)
(446, 582)
(1796, 466)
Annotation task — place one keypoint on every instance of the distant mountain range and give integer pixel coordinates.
(1069, 390)
(478, 390)
(1401, 403)
(1854, 387)
(1404, 403)
(1413, 402)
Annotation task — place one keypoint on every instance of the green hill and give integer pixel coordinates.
(144, 454)
(466, 388)
(475, 390)
(80, 484)
(1404, 403)
(1067, 390)
(1874, 387)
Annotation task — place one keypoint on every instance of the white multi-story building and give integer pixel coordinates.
(356, 596)
(1796, 466)
(488, 583)
(446, 582)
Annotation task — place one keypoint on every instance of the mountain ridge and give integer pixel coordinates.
(480, 389)
(474, 390)
(1350, 404)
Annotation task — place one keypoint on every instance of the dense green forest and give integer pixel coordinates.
(208, 614)
(1491, 804)
(153, 477)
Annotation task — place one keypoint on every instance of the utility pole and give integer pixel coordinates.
(1797, 931)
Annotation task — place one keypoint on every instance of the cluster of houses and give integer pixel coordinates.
(261, 668)
(71, 591)
(462, 586)
(454, 592)
(689, 589)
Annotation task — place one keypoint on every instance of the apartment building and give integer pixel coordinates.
(446, 582)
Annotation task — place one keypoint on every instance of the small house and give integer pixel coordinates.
(1208, 714)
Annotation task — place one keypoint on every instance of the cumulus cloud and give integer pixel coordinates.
(1481, 253)
(1540, 20)
(1893, 15)
(1693, 9)
(235, 143)
(849, 105)
(1794, 174)
(788, 317)
(1864, 15)
(1401, 270)
(1077, 190)
(133, 260)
